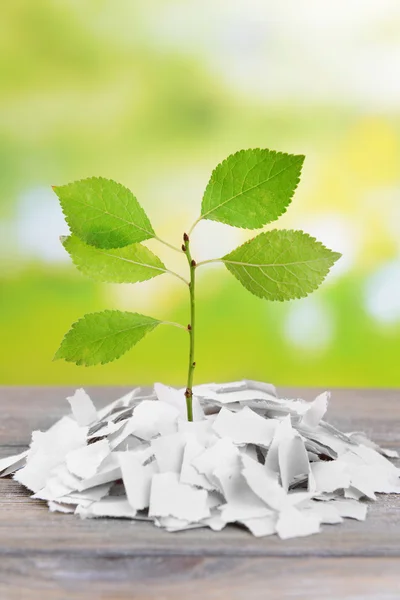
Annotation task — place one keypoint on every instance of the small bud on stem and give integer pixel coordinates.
(185, 237)
(183, 248)
(193, 263)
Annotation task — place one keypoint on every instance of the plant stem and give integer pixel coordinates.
(191, 329)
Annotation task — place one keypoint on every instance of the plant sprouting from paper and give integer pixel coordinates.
(249, 190)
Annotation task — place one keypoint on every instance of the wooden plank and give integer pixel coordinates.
(26, 525)
(51, 577)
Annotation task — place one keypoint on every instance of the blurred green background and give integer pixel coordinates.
(154, 94)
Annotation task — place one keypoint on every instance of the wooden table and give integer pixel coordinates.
(53, 556)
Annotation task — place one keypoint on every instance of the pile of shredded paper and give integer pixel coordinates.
(249, 458)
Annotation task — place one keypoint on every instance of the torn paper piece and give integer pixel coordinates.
(360, 438)
(168, 451)
(262, 526)
(170, 498)
(372, 457)
(369, 479)
(283, 430)
(87, 496)
(137, 477)
(48, 450)
(241, 396)
(128, 444)
(293, 460)
(189, 474)
(352, 509)
(294, 523)
(108, 471)
(105, 429)
(59, 483)
(264, 484)
(176, 398)
(315, 412)
(10, 464)
(118, 438)
(324, 511)
(202, 430)
(82, 408)
(214, 521)
(84, 462)
(62, 508)
(241, 501)
(172, 524)
(330, 476)
(117, 507)
(222, 455)
(205, 389)
(245, 427)
(151, 418)
(126, 401)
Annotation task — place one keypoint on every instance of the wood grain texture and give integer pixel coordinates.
(45, 555)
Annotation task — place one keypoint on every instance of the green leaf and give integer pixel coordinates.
(121, 265)
(103, 213)
(104, 336)
(281, 264)
(251, 188)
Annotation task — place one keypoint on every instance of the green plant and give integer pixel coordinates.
(249, 189)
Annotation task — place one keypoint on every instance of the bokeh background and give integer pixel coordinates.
(154, 94)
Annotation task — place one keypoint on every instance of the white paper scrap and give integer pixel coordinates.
(10, 464)
(124, 402)
(108, 471)
(264, 484)
(84, 462)
(137, 477)
(201, 429)
(262, 526)
(82, 408)
(294, 523)
(49, 450)
(241, 501)
(245, 427)
(170, 498)
(316, 411)
(222, 455)
(117, 507)
(151, 418)
(351, 509)
(189, 474)
(330, 476)
(324, 511)
(293, 460)
(168, 450)
(62, 508)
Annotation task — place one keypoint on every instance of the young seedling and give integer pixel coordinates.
(249, 189)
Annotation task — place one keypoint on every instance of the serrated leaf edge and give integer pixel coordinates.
(80, 363)
(105, 253)
(94, 178)
(333, 257)
(285, 208)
